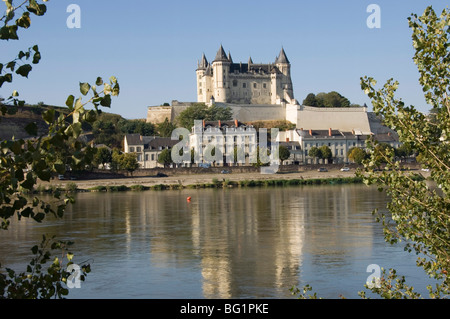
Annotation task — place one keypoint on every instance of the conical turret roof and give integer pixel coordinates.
(203, 63)
(282, 58)
(221, 55)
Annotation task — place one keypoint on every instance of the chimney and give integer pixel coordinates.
(353, 132)
(287, 139)
(203, 123)
(219, 123)
(329, 132)
(310, 132)
(236, 123)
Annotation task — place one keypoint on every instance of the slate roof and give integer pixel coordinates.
(282, 58)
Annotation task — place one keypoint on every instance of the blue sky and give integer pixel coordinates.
(152, 47)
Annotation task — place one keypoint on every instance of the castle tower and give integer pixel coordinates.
(202, 66)
(221, 71)
(284, 90)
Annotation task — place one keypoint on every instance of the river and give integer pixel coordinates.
(223, 243)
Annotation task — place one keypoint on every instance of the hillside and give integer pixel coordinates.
(12, 125)
(109, 128)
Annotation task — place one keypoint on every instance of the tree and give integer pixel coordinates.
(102, 156)
(261, 157)
(357, 155)
(129, 162)
(325, 152)
(330, 99)
(314, 152)
(200, 111)
(310, 100)
(283, 153)
(165, 128)
(421, 213)
(216, 113)
(197, 111)
(22, 162)
(165, 157)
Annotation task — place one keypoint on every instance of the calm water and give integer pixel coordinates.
(232, 243)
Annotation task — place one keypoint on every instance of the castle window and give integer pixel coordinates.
(235, 83)
(264, 85)
(200, 91)
(244, 85)
(254, 85)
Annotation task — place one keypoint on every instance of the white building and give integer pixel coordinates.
(339, 142)
(147, 148)
(223, 137)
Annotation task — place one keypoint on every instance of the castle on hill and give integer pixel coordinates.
(224, 81)
(264, 92)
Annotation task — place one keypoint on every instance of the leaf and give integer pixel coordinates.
(49, 116)
(23, 70)
(37, 9)
(106, 101)
(69, 101)
(36, 58)
(31, 129)
(35, 249)
(5, 78)
(99, 81)
(24, 21)
(84, 88)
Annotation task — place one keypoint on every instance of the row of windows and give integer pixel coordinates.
(341, 144)
(244, 85)
(337, 152)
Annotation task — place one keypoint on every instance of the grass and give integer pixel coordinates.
(227, 183)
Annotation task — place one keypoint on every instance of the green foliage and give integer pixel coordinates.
(314, 152)
(165, 157)
(325, 152)
(37, 282)
(102, 156)
(283, 153)
(125, 161)
(262, 157)
(165, 128)
(330, 99)
(420, 212)
(200, 111)
(24, 162)
(357, 155)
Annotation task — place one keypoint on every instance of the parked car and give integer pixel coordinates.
(322, 169)
(225, 171)
(61, 177)
(345, 169)
(161, 175)
(204, 165)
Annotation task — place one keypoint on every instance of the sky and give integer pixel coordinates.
(152, 47)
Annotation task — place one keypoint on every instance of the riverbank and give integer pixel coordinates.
(207, 180)
(204, 181)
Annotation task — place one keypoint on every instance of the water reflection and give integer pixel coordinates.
(231, 243)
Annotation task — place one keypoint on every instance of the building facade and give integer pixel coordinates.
(224, 81)
(224, 137)
(147, 148)
(340, 142)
